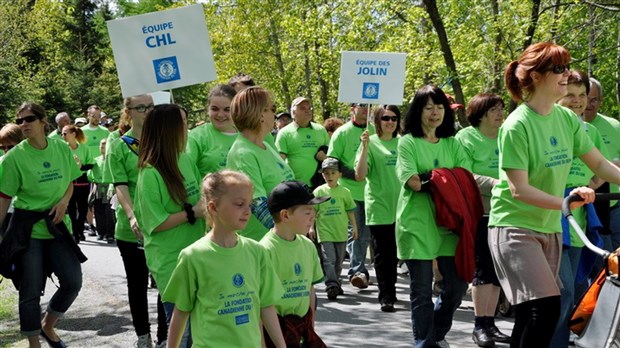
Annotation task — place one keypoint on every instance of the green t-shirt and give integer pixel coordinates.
(332, 218)
(153, 205)
(266, 170)
(208, 148)
(94, 137)
(482, 151)
(610, 132)
(224, 289)
(544, 147)
(55, 134)
(95, 174)
(382, 186)
(38, 179)
(121, 167)
(300, 146)
(343, 146)
(418, 237)
(298, 267)
(83, 153)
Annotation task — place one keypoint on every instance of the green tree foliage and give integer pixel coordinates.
(58, 52)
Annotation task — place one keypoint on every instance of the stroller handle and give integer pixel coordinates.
(566, 212)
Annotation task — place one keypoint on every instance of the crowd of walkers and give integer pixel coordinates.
(237, 219)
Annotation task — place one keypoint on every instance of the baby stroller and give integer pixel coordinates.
(596, 317)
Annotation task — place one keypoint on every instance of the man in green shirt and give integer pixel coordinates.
(62, 120)
(299, 141)
(93, 131)
(343, 147)
(610, 132)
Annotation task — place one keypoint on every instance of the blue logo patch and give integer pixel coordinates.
(370, 90)
(46, 164)
(166, 69)
(553, 141)
(297, 269)
(242, 319)
(238, 280)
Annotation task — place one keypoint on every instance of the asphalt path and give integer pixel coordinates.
(100, 316)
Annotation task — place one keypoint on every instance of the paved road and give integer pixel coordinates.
(100, 316)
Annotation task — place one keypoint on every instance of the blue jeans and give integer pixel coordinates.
(46, 255)
(357, 248)
(431, 322)
(186, 340)
(567, 273)
(333, 256)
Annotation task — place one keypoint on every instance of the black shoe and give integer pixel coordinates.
(111, 240)
(53, 344)
(482, 339)
(497, 335)
(332, 292)
(387, 306)
(82, 237)
(100, 237)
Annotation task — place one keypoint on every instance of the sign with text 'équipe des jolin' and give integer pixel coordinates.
(162, 50)
(372, 77)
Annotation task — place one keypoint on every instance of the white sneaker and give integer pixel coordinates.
(443, 344)
(145, 341)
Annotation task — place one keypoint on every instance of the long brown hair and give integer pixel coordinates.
(163, 141)
(80, 137)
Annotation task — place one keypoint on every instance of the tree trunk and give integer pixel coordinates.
(618, 66)
(591, 42)
(277, 52)
(498, 68)
(433, 13)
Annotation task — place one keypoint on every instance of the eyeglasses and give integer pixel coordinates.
(389, 118)
(6, 148)
(559, 69)
(27, 119)
(141, 108)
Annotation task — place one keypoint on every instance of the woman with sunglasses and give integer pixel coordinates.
(485, 114)
(121, 170)
(78, 205)
(537, 143)
(428, 144)
(39, 172)
(167, 195)
(208, 144)
(376, 163)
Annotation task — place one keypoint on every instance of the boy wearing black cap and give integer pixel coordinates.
(295, 260)
(332, 222)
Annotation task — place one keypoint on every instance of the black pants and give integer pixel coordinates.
(535, 322)
(78, 208)
(386, 261)
(137, 282)
(104, 216)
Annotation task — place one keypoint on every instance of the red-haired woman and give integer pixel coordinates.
(537, 143)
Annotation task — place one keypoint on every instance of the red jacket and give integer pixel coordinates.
(458, 207)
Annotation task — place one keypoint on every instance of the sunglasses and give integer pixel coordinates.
(361, 105)
(6, 148)
(389, 118)
(141, 108)
(27, 119)
(559, 69)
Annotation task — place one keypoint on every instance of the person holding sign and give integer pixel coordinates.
(428, 143)
(253, 112)
(343, 147)
(537, 143)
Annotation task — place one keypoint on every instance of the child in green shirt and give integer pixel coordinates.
(295, 261)
(332, 220)
(224, 280)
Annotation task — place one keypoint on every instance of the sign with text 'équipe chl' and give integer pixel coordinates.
(162, 50)
(372, 77)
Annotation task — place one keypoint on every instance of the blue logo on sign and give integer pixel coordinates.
(370, 90)
(166, 69)
(242, 319)
(238, 280)
(46, 164)
(297, 269)
(553, 141)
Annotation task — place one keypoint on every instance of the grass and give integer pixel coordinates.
(9, 325)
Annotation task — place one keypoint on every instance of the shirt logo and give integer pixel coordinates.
(238, 280)
(297, 269)
(497, 152)
(436, 163)
(554, 141)
(46, 164)
(333, 201)
(308, 136)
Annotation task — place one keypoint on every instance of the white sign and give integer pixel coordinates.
(161, 97)
(372, 77)
(162, 50)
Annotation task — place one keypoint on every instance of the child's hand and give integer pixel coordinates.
(354, 233)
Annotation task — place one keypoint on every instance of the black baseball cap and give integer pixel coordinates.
(291, 193)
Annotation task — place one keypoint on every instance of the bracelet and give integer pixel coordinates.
(189, 210)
